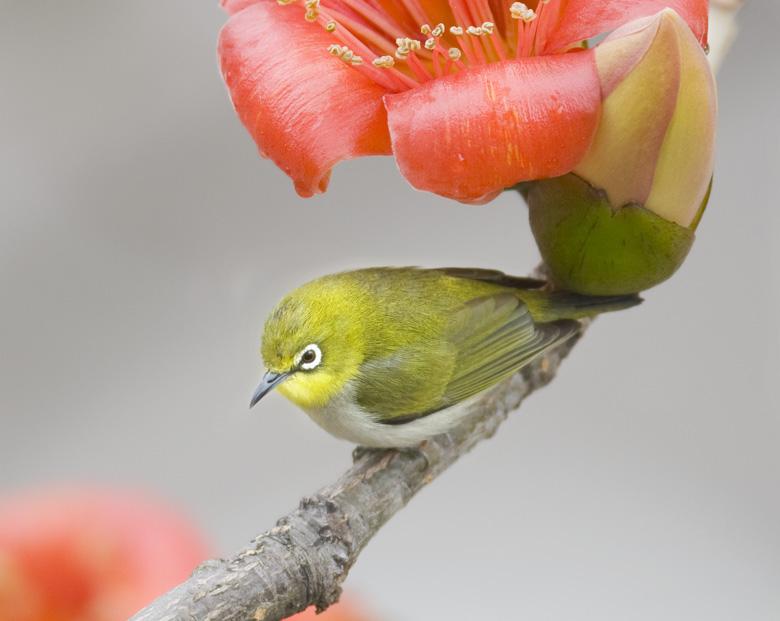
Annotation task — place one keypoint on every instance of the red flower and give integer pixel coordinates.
(471, 96)
(89, 555)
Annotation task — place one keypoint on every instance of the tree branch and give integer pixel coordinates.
(304, 559)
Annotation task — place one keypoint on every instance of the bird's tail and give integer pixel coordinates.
(553, 305)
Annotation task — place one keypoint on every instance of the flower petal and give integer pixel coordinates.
(684, 170)
(579, 20)
(655, 141)
(305, 109)
(640, 77)
(472, 134)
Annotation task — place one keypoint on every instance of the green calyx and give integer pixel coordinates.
(593, 248)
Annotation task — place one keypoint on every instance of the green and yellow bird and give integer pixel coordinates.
(387, 357)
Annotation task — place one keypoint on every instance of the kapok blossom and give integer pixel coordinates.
(470, 96)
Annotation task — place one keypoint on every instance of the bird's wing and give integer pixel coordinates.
(495, 336)
(487, 340)
(492, 276)
(400, 386)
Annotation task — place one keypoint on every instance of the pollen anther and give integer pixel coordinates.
(366, 30)
(345, 54)
(519, 10)
(312, 10)
(383, 61)
(405, 47)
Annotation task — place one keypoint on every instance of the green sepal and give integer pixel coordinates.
(592, 248)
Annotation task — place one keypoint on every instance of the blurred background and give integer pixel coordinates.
(143, 241)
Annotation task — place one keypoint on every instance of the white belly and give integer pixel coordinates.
(344, 418)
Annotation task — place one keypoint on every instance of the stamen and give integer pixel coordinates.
(433, 44)
(476, 46)
(345, 54)
(361, 31)
(365, 29)
(383, 61)
(476, 12)
(389, 78)
(541, 26)
(355, 35)
(405, 47)
(312, 10)
(420, 70)
(406, 51)
(524, 16)
(482, 11)
(415, 9)
(471, 49)
(487, 29)
(375, 16)
(519, 10)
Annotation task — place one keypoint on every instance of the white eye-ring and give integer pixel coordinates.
(310, 357)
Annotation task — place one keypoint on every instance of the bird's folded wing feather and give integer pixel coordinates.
(491, 276)
(487, 340)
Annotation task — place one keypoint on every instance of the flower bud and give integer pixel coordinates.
(624, 220)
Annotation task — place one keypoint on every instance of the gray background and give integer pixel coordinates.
(143, 242)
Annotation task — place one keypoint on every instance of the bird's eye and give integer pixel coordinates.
(310, 357)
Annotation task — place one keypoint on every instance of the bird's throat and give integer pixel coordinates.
(312, 390)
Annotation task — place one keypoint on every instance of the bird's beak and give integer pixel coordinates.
(270, 379)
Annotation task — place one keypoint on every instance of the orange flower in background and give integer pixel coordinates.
(88, 555)
(470, 96)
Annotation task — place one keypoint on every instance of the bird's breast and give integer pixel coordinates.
(344, 418)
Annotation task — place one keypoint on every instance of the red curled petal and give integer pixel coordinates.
(579, 20)
(305, 109)
(472, 134)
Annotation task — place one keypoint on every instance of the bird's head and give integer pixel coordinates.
(312, 344)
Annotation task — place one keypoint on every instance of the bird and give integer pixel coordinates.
(388, 357)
